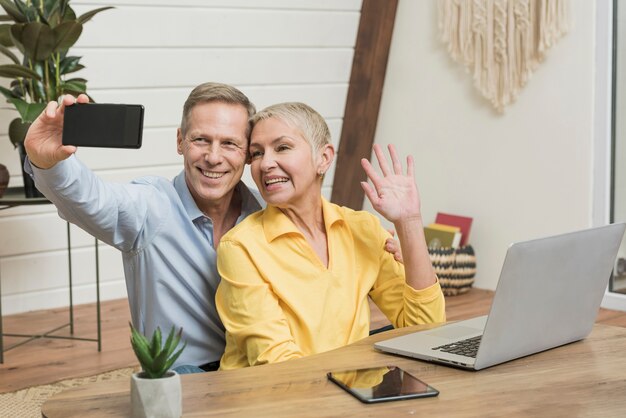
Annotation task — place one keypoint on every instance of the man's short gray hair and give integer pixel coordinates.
(215, 92)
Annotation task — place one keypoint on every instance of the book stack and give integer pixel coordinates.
(448, 231)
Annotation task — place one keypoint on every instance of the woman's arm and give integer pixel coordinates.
(395, 196)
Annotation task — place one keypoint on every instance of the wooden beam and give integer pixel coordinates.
(364, 93)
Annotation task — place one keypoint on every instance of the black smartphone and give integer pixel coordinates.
(381, 384)
(103, 125)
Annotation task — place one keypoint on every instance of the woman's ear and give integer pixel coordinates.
(326, 158)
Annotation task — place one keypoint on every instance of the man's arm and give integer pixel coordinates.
(113, 213)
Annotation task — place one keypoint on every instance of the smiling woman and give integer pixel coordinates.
(296, 276)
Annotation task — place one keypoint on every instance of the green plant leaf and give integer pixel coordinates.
(38, 41)
(87, 16)
(72, 88)
(6, 51)
(17, 131)
(69, 65)
(9, 94)
(15, 70)
(28, 10)
(13, 11)
(141, 348)
(5, 35)
(68, 14)
(155, 345)
(28, 111)
(6, 18)
(66, 35)
(173, 359)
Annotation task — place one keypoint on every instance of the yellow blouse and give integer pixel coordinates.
(278, 301)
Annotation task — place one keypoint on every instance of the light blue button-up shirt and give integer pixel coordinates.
(166, 244)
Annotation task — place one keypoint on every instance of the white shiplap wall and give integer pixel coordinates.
(153, 52)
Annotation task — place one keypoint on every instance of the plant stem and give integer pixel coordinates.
(57, 60)
(47, 80)
(32, 92)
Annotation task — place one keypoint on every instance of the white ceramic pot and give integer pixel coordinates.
(156, 398)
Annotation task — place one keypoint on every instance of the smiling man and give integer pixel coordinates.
(166, 230)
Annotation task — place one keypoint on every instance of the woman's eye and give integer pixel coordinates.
(255, 154)
(282, 148)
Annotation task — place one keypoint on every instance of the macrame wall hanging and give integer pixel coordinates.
(501, 42)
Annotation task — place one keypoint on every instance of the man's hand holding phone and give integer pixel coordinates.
(60, 128)
(43, 142)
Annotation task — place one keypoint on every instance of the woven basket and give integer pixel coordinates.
(455, 267)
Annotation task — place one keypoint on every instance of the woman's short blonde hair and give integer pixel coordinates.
(301, 117)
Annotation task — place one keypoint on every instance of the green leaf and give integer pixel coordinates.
(66, 35)
(15, 70)
(87, 16)
(28, 111)
(68, 14)
(69, 65)
(17, 131)
(38, 40)
(9, 94)
(12, 11)
(6, 51)
(29, 11)
(72, 87)
(155, 345)
(6, 18)
(141, 348)
(173, 359)
(5, 35)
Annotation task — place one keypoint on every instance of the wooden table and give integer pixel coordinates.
(586, 378)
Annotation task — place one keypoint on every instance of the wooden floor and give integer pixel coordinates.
(48, 360)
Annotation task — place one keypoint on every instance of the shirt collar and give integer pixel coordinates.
(249, 201)
(276, 223)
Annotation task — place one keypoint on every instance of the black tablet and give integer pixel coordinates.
(381, 384)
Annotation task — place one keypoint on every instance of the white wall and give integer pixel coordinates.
(524, 174)
(153, 52)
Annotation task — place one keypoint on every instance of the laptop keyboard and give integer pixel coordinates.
(468, 347)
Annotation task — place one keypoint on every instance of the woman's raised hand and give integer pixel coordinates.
(394, 194)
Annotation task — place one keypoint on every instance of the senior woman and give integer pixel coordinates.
(296, 276)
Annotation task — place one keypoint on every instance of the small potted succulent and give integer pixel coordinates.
(155, 391)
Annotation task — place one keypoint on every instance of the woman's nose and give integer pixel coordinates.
(267, 162)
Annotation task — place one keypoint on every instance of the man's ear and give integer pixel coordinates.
(179, 141)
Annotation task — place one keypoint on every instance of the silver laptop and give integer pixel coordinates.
(549, 294)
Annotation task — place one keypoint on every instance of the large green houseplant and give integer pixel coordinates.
(37, 42)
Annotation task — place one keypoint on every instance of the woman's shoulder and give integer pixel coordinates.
(363, 225)
(352, 216)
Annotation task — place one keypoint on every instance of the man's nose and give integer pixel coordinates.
(213, 155)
